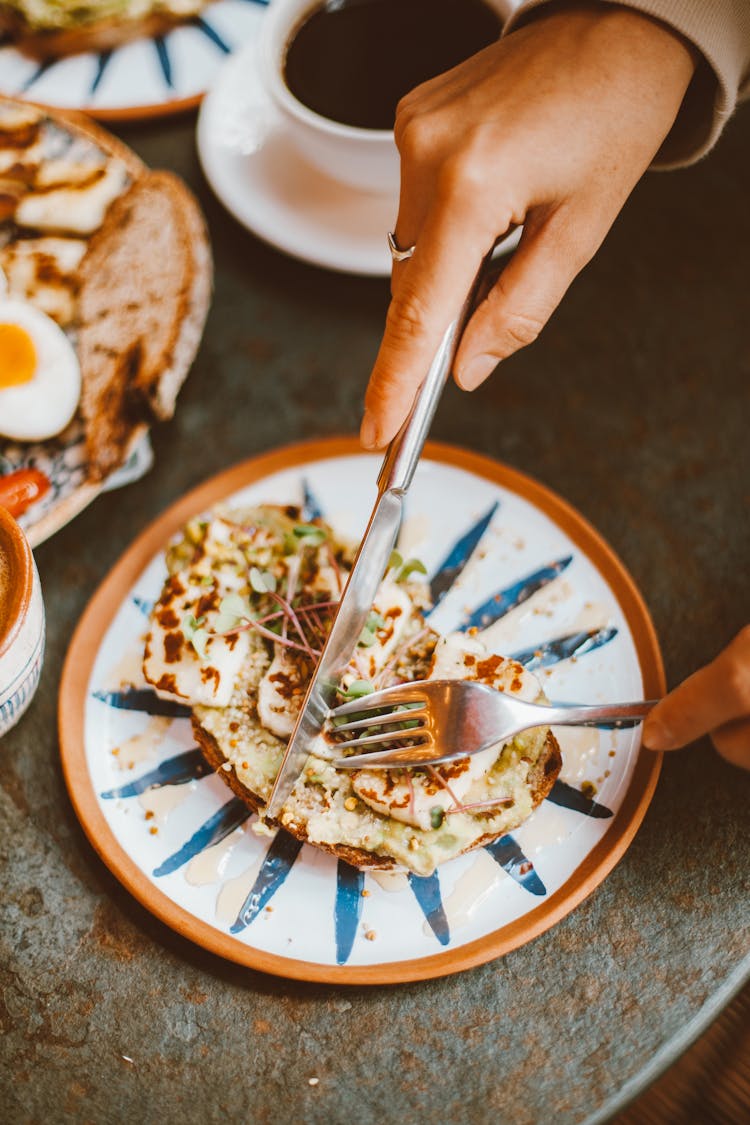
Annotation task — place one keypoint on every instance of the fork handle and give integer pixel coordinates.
(588, 714)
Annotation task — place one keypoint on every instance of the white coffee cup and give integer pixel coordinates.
(365, 159)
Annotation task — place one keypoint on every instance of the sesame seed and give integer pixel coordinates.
(350, 804)
(313, 1081)
(370, 935)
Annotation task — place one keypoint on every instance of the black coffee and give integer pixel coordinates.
(352, 60)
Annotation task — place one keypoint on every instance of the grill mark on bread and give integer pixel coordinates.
(153, 250)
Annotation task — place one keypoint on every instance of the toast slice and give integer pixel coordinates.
(89, 35)
(542, 776)
(145, 287)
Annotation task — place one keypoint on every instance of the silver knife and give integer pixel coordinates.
(370, 562)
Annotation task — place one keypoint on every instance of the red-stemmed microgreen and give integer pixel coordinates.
(440, 780)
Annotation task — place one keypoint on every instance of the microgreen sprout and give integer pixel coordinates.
(233, 611)
(373, 623)
(357, 689)
(404, 568)
(310, 534)
(411, 566)
(262, 581)
(396, 561)
(194, 633)
(437, 816)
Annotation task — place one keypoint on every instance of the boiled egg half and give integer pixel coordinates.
(40, 377)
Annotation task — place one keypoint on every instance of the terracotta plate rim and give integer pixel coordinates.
(106, 601)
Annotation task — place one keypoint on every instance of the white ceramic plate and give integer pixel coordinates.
(176, 836)
(256, 172)
(145, 78)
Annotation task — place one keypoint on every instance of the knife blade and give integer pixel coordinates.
(370, 563)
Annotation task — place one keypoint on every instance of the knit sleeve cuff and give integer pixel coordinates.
(720, 31)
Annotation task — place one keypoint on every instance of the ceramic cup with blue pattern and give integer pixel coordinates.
(21, 623)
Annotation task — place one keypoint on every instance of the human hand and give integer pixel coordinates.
(715, 700)
(550, 127)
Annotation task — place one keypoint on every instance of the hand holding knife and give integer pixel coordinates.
(371, 561)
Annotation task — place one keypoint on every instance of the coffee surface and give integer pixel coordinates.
(352, 60)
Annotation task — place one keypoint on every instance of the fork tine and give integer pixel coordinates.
(383, 738)
(380, 720)
(388, 697)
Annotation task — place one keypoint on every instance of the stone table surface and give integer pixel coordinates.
(634, 405)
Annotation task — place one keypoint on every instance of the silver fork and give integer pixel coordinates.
(449, 719)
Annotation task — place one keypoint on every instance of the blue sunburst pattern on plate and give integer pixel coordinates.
(146, 73)
(495, 562)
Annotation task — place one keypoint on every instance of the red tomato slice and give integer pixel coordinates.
(19, 490)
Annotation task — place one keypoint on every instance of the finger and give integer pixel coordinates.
(709, 699)
(428, 295)
(522, 300)
(733, 743)
(417, 179)
(413, 207)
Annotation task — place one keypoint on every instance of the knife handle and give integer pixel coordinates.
(402, 456)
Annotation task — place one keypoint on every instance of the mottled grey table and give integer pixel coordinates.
(635, 406)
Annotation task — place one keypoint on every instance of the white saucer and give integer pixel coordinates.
(253, 167)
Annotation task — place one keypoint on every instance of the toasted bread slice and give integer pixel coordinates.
(145, 286)
(94, 35)
(542, 777)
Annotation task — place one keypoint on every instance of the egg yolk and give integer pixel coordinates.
(17, 356)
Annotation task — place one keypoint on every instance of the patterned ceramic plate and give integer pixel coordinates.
(63, 462)
(145, 78)
(522, 566)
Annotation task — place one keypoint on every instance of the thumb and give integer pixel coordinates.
(711, 698)
(524, 297)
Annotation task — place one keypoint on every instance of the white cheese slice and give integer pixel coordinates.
(282, 690)
(460, 657)
(172, 665)
(414, 800)
(26, 158)
(388, 792)
(42, 270)
(78, 210)
(393, 604)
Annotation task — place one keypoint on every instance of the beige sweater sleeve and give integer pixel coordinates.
(720, 30)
